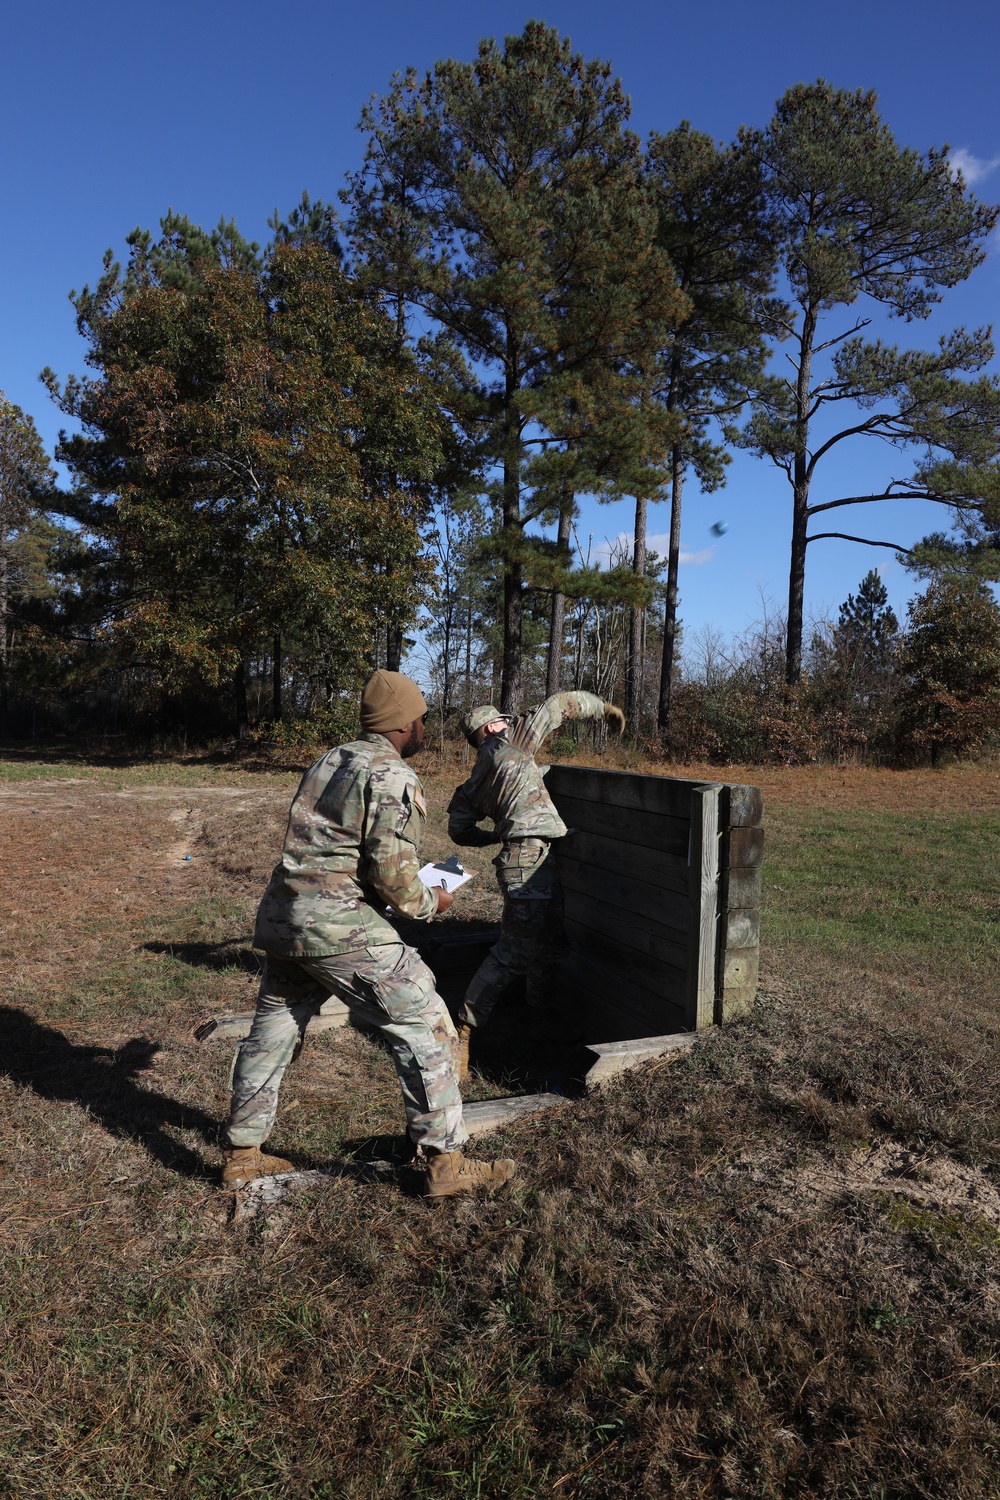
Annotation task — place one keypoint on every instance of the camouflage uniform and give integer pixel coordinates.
(506, 786)
(350, 849)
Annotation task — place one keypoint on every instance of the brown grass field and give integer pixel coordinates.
(769, 1269)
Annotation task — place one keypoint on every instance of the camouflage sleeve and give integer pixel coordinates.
(530, 731)
(463, 822)
(394, 825)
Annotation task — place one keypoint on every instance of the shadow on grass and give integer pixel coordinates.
(102, 1080)
(453, 954)
(230, 954)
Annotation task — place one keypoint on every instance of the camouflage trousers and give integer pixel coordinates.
(532, 939)
(388, 987)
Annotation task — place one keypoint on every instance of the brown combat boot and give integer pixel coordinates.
(243, 1164)
(450, 1172)
(462, 1052)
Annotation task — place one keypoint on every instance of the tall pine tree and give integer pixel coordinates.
(502, 200)
(860, 217)
(715, 224)
(25, 482)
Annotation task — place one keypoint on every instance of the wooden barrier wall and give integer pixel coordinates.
(662, 885)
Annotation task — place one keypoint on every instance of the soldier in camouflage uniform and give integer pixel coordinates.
(350, 850)
(506, 787)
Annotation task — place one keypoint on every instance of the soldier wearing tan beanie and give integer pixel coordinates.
(390, 701)
(351, 850)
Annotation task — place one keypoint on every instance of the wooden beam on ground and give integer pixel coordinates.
(613, 1058)
(486, 1115)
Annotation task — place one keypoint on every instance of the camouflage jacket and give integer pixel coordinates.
(350, 850)
(506, 785)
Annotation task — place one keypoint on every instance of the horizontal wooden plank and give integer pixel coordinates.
(622, 985)
(736, 1002)
(648, 830)
(603, 1021)
(585, 980)
(666, 796)
(640, 935)
(741, 890)
(486, 1115)
(743, 806)
(741, 929)
(631, 897)
(743, 849)
(742, 967)
(655, 972)
(667, 871)
(612, 1059)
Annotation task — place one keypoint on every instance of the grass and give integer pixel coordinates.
(771, 1269)
(848, 879)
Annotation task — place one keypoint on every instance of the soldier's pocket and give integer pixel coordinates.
(508, 867)
(517, 863)
(395, 980)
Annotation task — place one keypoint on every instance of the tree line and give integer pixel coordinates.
(290, 463)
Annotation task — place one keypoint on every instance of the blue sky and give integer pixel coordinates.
(110, 112)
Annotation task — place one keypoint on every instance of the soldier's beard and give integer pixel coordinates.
(413, 744)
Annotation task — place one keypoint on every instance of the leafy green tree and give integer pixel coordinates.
(951, 665)
(717, 229)
(859, 216)
(255, 454)
(502, 201)
(25, 483)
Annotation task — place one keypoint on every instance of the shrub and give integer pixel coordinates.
(951, 666)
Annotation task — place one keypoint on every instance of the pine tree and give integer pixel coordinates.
(716, 227)
(867, 626)
(502, 200)
(26, 479)
(859, 216)
(853, 673)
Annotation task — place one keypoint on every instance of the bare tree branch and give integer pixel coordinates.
(889, 494)
(865, 540)
(839, 337)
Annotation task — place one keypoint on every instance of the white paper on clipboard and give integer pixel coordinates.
(433, 875)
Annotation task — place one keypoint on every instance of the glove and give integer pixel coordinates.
(614, 718)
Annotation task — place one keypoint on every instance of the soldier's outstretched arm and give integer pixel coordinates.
(393, 830)
(536, 727)
(463, 827)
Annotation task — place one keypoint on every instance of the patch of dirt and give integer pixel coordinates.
(926, 1178)
(931, 1180)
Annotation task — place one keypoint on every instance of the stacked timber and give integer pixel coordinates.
(741, 858)
(647, 874)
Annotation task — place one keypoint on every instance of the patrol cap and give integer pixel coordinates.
(477, 717)
(390, 701)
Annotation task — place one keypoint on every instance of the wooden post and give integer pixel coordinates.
(742, 853)
(704, 899)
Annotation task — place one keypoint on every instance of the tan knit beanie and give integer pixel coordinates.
(390, 701)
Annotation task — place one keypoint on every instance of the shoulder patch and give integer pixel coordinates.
(418, 801)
